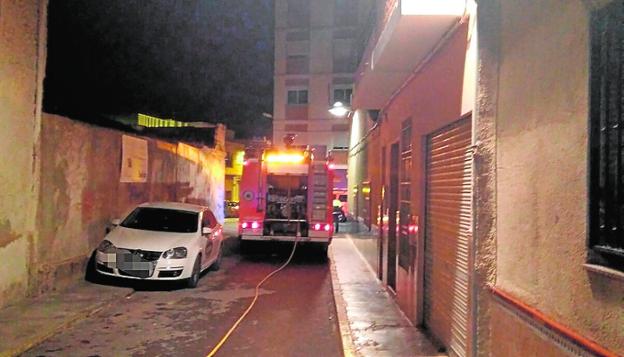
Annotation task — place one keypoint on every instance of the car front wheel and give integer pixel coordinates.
(91, 274)
(194, 279)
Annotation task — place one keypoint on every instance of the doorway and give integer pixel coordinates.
(393, 207)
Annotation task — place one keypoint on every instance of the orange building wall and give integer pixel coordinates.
(431, 99)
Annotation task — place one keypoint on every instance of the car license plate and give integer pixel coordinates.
(134, 265)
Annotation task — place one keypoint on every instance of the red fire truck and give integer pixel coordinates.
(285, 195)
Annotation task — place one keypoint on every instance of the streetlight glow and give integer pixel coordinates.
(339, 109)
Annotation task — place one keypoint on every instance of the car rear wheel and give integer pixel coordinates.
(194, 279)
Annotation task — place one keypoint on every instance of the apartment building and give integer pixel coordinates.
(317, 47)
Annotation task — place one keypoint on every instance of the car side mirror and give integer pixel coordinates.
(116, 222)
(206, 230)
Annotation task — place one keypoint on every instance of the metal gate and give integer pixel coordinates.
(448, 232)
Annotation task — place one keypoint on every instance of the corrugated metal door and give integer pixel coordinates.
(447, 235)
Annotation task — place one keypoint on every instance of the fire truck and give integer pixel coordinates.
(285, 195)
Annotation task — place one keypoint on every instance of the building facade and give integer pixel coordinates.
(316, 46)
(410, 161)
(485, 155)
(547, 180)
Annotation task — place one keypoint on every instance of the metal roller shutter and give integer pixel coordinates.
(448, 232)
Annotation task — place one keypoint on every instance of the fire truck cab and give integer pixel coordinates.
(285, 195)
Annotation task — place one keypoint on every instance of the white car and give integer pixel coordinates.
(162, 241)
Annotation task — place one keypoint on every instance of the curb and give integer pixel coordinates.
(348, 347)
(44, 335)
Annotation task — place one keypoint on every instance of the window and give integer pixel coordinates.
(342, 95)
(298, 35)
(298, 13)
(606, 201)
(344, 58)
(297, 64)
(345, 12)
(296, 127)
(297, 96)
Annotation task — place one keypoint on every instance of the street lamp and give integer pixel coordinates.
(339, 109)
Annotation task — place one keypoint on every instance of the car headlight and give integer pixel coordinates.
(106, 247)
(175, 253)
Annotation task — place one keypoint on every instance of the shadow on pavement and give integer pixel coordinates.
(277, 252)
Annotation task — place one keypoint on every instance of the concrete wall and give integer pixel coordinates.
(80, 191)
(361, 169)
(22, 64)
(484, 174)
(541, 172)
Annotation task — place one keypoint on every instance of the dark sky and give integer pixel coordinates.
(204, 60)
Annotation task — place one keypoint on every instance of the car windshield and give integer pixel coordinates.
(162, 220)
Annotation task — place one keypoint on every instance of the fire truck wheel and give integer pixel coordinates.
(324, 248)
(245, 247)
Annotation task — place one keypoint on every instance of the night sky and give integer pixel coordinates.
(206, 60)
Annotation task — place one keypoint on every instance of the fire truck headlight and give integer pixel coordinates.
(255, 225)
(327, 227)
(244, 225)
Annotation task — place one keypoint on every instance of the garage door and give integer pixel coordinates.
(447, 235)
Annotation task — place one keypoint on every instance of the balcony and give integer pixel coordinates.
(408, 31)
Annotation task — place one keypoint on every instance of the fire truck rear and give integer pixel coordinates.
(285, 195)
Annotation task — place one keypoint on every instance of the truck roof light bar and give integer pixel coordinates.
(292, 158)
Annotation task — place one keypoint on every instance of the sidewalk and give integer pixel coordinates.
(371, 323)
(32, 321)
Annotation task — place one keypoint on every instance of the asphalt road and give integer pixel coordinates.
(294, 316)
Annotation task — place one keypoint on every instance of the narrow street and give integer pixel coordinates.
(294, 316)
(453, 169)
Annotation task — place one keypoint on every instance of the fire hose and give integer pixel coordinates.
(253, 302)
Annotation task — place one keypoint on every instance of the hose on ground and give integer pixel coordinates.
(253, 302)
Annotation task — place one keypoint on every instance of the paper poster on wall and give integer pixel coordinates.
(133, 160)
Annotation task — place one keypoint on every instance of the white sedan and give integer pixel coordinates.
(162, 241)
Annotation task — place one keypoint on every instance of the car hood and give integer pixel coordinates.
(130, 238)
